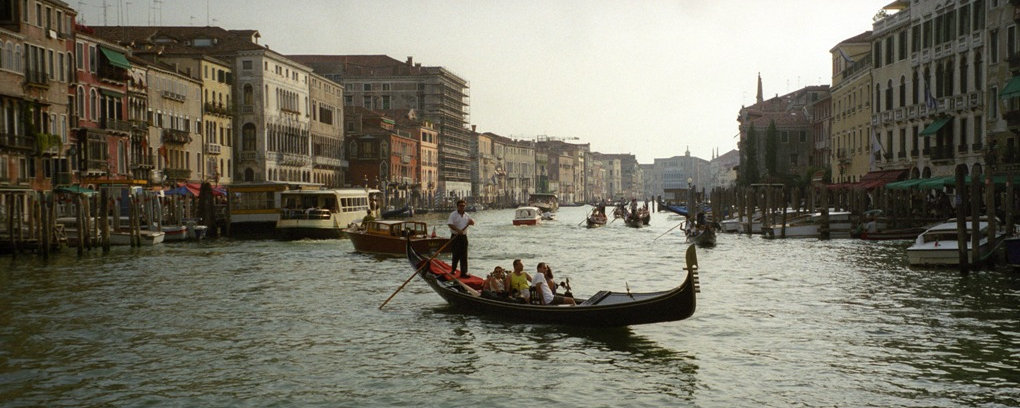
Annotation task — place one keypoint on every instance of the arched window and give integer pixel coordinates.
(888, 95)
(903, 91)
(916, 84)
(249, 95)
(248, 137)
(977, 71)
(93, 104)
(963, 75)
(17, 58)
(9, 55)
(940, 83)
(949, 81)
(249, 175)
(878, 98)
(80, 103)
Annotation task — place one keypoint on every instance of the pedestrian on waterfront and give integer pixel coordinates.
(458, 222)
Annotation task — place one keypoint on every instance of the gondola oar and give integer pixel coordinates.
(667, 232)
(585, 219)
(429, 261)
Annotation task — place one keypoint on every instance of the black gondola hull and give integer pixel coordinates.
(605, 309)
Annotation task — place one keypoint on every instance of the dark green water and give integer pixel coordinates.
(265, 323)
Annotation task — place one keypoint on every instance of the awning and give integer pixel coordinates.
(193, 189)
(935, 126)
(75, 190)
(937, 182)
(112, 94)
(1012, 88)
(880, 178)
(116, 58)
(905, 184)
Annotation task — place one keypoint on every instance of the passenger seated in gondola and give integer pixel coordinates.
(518, 281)
(494, 285)
(544, 287)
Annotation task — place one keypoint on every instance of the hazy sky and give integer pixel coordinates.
(630, 76)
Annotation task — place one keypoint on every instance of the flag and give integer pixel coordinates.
(876, 146)
(929, 100)
(846, 57)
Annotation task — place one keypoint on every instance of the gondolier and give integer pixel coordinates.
(458, 222)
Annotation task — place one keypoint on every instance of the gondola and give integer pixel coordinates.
(603, 309)
(702, 237)
(595, 220)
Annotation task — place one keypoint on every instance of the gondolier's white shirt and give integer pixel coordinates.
(458, 221)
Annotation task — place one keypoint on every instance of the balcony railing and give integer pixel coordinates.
(177, 174)
(33, 77)
(116, 124)
(96, 166)
(250, 156)
(218, 109)
(174, 96)
(175, 136)
(327, 161)
(19, 142)
(212, 148)
(143, 161)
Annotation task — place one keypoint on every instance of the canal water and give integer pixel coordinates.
(267, 323)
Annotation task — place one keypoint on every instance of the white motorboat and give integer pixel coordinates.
(810, 226)
(938, 245)
(527, 215)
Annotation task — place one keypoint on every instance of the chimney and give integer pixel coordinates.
(410, 61)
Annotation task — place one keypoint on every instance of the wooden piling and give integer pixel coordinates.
(823, 229)
(975, 217)
(104, 220)
(961, 222)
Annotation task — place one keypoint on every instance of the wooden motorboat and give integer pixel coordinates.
(527, 215)
(388, 236)
(891, 234)
(603, 309)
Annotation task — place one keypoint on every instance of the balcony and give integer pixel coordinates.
(942, 153)
(37, 78)
(247, 156)
(217, 109)
(247, 108)
(326, 161)
(173, 136)
(96, 167)
(174, 96)
(116, 125)
(143, 162)
(212, 148)
(177, 174)
(292, 159)
(17, 142)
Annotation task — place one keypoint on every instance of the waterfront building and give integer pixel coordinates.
(216, 127)
(929, 63)
(272, 95)
(175, 110)
(34, 78)
(427, 137)
(439, 95)
(626, 180)
(564, 167)
(328, 164)
(142, 158)
(668, 176)
(103, 134)
(485, 182)
(520, 161)
(1003, 101)
(783, 139)
(851, 145)
(380, 154)
(722, 169)
(595, 179)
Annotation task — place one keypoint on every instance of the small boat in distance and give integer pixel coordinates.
(388, 236)
(547, 202)
(527, 215)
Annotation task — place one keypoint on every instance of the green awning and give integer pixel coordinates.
(904, 184)
(1012, 88)
(937, 182)
(112, 94)
(116, 58)
(935, 126)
